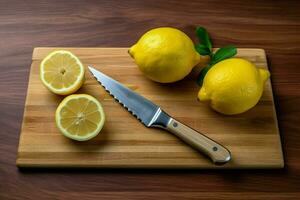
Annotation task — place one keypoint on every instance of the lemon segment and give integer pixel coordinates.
(80, 117)
(233, 86)
(165, 54)
(62, 72)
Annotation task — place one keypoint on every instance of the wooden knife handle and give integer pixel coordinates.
(215, 151)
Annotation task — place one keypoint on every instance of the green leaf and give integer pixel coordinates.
(203, 73)
(203, 37)
(202, 49)
(221, 54)
(224, 53)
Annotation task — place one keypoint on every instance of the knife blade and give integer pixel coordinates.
(151, 115)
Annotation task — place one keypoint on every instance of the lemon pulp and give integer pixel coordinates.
(80, 117)
(62, 72)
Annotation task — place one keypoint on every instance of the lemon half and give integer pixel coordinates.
(80, 117)
(62, 72)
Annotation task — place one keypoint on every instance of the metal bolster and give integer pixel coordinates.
(160, 119)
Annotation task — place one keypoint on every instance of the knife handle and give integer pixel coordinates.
(217, 153)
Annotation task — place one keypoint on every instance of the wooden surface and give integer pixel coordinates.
(253, 137)
(272, 25)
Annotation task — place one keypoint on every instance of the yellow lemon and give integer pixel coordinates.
(80, 117)
(233, 86)
(62, 72)
(165, 54)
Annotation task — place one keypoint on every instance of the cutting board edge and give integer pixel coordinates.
(36, 49)
(22, 164)
(24, 114)
(277, 127)
(275, 113)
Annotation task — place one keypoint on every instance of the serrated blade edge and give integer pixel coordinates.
(140, 107)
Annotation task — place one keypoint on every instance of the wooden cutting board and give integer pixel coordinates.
(253, 137)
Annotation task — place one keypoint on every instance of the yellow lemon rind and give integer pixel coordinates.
(223, 102)
(165, 54)
(75, 86)
(76, 137)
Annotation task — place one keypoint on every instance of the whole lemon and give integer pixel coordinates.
(233, 86)
(165, 54)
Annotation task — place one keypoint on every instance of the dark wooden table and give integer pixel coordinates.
(25, 24)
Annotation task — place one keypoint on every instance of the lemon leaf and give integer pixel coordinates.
(221, 54)
(202, 49)
(203, 73)
(203, 37)
(205, 48)
(224, 53)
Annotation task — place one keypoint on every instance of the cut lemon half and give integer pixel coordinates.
(62, 72)
(80, 117)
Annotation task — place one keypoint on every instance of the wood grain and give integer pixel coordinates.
(252, 137)
(216, 152)
(272, 25)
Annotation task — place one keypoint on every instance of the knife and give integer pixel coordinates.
(151, 115)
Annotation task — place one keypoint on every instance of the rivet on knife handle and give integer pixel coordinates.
(151, 115)
(215, 151)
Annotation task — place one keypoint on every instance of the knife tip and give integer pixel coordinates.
(91, 68)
